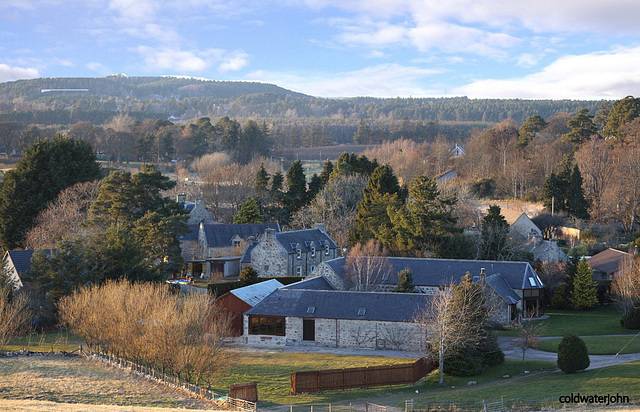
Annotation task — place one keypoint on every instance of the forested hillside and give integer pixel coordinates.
(69, 100)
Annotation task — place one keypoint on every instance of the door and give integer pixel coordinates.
(309, 329)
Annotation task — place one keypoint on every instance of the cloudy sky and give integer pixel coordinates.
(336, 48)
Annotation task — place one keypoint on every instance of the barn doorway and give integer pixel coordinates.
(309, 329)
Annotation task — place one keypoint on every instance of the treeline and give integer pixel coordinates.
(190, 98)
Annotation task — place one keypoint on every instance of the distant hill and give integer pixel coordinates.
(63, 101)
(137, 87)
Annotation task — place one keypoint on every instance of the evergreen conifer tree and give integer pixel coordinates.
(495, 232)
(572, 354)
(584, 294)
(249, 212)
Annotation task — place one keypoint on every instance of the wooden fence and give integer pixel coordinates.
(246, 391)
(224, 400)
(332, 379)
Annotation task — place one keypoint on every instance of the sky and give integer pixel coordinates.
(542, 49)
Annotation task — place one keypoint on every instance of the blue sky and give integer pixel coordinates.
(338, 48)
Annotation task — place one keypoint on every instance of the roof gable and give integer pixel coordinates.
(221, 235)
(305, 240)
(21, 259)
(608, 261)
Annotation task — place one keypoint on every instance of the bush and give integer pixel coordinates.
(467, 362)
(632, 319)
(572, 354)
(559, 299)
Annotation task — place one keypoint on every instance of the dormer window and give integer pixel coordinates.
(298, 253)
(313, 251)
(326, 249)
(236, 243)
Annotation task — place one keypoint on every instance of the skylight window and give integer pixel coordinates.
(532, 281)
(362, 311)
(311, 310)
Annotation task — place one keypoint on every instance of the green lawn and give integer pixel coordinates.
(45, 342)
(608, 345)
(603, 320)
(623, 379)
(272, 372)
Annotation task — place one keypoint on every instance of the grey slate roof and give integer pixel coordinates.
(192, 235)
(221, 235)
(246, 257)
(608, 261)
(391, 307)
(500, 285)
(22, 259)
(317, 283)
(254, 294)
(303, 238)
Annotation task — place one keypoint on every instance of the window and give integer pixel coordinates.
(266, 325)
(313, 251)
(236, 243)
(530, 293)
(532, 281)
(326, 249)
(311, 309)
(313, 268)
(299, 271)
(362, 311)
(298, 253)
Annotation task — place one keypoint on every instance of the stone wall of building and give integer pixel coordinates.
(268, 257)
(323, 270)
(347, 333)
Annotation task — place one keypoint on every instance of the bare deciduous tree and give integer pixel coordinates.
(367, 265)
(452, 324)
(14, 314)
(625, 288)
(528, 335)
(147, 323)
(63, 216)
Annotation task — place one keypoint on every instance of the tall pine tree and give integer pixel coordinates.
(584, 294)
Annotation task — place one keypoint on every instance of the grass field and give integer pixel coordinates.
(623, 379)
(604, 320)
(606, 345)
(45, 342)
(76, 380)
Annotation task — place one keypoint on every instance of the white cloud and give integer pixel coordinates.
(9, 73)
(528, 60)
(134, 10)
(186, 61)
(603, 75)
(98, 68)
(386, 80)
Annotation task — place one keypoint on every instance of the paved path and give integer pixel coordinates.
(597, 361)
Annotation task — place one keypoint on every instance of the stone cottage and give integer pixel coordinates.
(293, 253)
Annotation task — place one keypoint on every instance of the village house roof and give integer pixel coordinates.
(222, 235)
(502, 288)
(440, 272)
(294, 239)
(608, 261)
(191, 235)
(21, 259)
(372, 306)
(317, 283)
(254, 294)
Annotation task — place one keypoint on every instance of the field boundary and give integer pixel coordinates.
(223, 400)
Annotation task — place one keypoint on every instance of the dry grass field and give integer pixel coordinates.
(75, 384)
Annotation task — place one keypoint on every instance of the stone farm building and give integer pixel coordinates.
(517, 287)
(368, 320)
(322, 310)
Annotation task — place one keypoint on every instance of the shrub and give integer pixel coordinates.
(559, 299)
(572, 354)
(467, 362)
(632, 319)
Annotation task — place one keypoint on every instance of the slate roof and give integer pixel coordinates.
(608, 261)
(303, 238)
(390, 307)
(192, 235)
(317, 283)
(254, 294)
(221, 235)
(246, 257)
(439, 272)
(500, 285)
(22, 259)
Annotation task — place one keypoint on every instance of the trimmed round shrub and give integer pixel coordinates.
(632, 319)
(572, 354)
